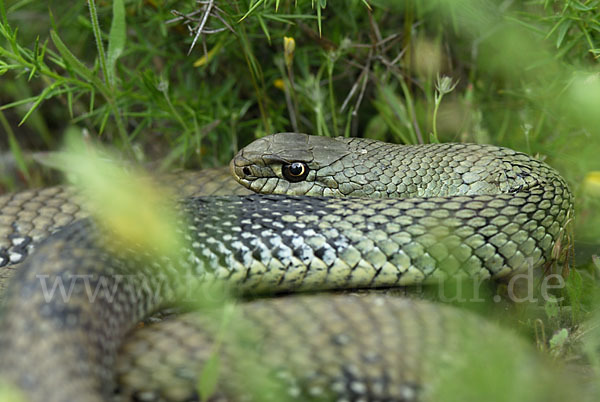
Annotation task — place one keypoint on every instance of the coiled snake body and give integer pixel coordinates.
(431, 212)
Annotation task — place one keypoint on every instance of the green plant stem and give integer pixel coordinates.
(98, 37)
(416, 132)
(14, 147)
(330, 65)
(438, 101)
(292, 89)
(243, 41)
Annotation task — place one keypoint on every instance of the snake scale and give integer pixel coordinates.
(414, 214)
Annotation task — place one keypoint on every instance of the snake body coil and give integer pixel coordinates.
(463, 210)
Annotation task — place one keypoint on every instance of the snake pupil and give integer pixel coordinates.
(246, 171)
(296, 169)
(295, 172)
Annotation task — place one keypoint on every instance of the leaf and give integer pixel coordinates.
(264, 28)
(580, 6)
(204, 60)
(116, 38)
(551, 307)
(251, 10)
(319, 20)
(105, 117)
(133, 209)
(71, 60)
(92, 97)
(558, 341)
(3, 13)
(575, 292)
(207, 383)
(562, 32)
(15, 148)
(433, 139)
(70, 103)
(40, 98)
(9, 392)
(393, 111)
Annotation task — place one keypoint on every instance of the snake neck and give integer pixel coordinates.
(378, 170)
(357, 167)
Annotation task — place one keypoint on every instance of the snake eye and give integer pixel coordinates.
(246, 170)
(295, 172)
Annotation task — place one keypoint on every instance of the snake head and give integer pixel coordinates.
(290, 163)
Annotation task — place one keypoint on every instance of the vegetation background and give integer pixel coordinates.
(184, 84)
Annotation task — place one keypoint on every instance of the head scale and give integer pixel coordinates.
(288, 163)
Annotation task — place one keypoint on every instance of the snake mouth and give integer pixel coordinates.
(241, 171)
(248, 167)
(246, 170)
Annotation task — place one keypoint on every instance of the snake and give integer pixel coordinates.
(333, 213)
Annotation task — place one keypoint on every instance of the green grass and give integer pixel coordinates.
(526, 75)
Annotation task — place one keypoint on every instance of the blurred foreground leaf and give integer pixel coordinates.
(126, 202)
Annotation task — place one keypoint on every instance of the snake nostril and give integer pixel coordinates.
(246, 171)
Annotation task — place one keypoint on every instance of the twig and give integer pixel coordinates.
(208, 9)
(352, 90)
(364, 84)
(202, 23)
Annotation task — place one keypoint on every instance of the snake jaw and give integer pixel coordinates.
(239, 170)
